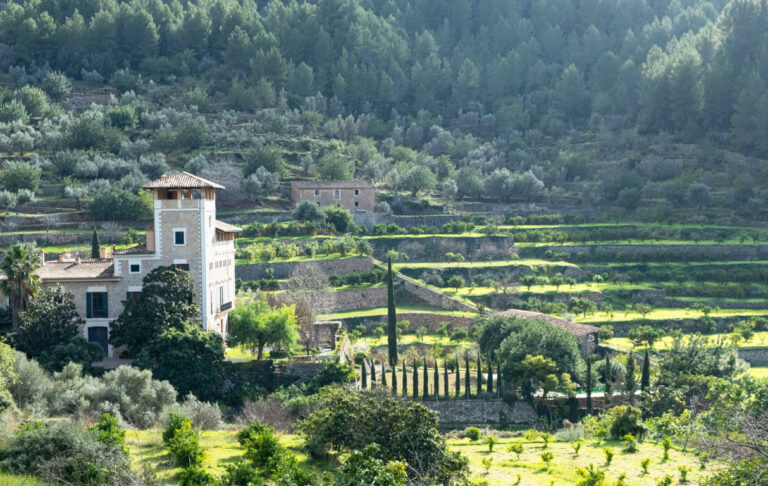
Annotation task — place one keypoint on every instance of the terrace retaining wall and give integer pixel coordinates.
(691, 252)
(687, 325)
(417, 319)
(256, 271)
(434, 248)
(424, 295)
(756, 356)
(355, 299)
(481, 411)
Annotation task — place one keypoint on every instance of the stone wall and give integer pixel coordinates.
(692, 252)
(356, 299)
(416, 293)
(417, 319)
(481, 411)
(757, 356)
(687, 326)
(370, 219)
(434, 248)
(256, 271)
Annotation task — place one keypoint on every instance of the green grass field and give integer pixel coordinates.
(493, 263)
(759, 371)
(667, 313)
(532, 470)
(8, 480)
(664, 344)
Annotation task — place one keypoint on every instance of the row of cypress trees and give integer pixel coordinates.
(419, 382)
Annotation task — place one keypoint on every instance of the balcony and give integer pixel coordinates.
(225, 306)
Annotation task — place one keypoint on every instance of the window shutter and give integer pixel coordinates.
(88, 307)
(106, 304)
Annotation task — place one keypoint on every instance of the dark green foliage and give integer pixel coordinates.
(467, 391)
(262, 447)
(108, 431)
(746, 471)
(308, 211)
(630, 380)
(95, 245)
(241, 473)
(645, 378)
(332, 373)
(405, 380)
(394, 424)
(20, 175)
(458, 379)
(197, 476)
(175, 421)
(589, 385)
(50, 320)
(415, 379)
(436, 381)
(114, 204)
(268, 156)
(394, 379)
(489, 385)
(67, 452)
(391, 316)
(479, 384)
(364, 376)
(184, 443)
(339, 217)
(425, 380)
(78, 350)
(625, 419)
(366, 467)
(446, 391)
(607, 375)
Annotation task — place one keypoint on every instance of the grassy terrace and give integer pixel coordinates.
(488, 264)
(302, 258)
(758, 371)
(664, 344)
(668, 313)
(401, 309)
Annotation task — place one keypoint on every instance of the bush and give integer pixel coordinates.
(20, 175)
(31, 387)
(202, 415)
(184, 445)
(261, 446)
(197, 476)
(108, 432)
(472, 433)
(56, 85)
(68, 453)
(332, 373)
(241, 474)
(624, 420)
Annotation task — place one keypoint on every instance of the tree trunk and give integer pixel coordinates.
(261, 351)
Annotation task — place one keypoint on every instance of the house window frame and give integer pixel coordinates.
(176, 232)
(317, 192)
(337, 194)
(89, 305)
(131, 264)
(357, 192)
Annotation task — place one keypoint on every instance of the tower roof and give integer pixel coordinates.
(182, 180)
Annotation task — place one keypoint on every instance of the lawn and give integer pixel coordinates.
(533, 471)
(758, 371)
(668, 313)
(8, 480)
(146, 449)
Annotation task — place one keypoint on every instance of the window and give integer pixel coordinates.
(357, 204)
(357, 192)
(183, 266)
(100, 336)
(336, 194)
(221, 295)
(134, 267)
(317, 192)
(96, 305)
(179, 237)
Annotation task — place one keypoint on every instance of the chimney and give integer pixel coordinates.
(151, 239)
(103, 253)
(63, 256)
(42, 258)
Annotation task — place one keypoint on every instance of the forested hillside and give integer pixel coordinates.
(596, 103)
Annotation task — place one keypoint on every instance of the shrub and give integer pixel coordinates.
(665, 481)
(108, 432)
(67, 452)
(491, 440)
(197, 476)
(624, 420)
(202, 415)
(575, 432)
(546, 437)
(472, 433)
(644, 464)
(174, 423)
(20, 175)
(608, 452)
(590, 476)
(516, 447)
(241, 474)
(630, 443)
(31, 387)
(666, 443)
(262, 448)
(184, 445)
(547, 457)
(577, 447)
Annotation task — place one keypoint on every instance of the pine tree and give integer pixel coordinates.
(364, 376)
(479, 376)
(391, 316)
(405, 380)
(589, 384)
(425, 375)
(445, 381)
(415, 379)
(436, 385)
(607, 377)
(95, 245)
(645, 378)
(630, 382)
(467, 384)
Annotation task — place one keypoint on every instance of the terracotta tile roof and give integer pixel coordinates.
(331, 184)
(573, 327)
(226, 227)
(181, 180)
(71, 270)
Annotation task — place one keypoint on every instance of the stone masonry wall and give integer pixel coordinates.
(481, 411)
(355, 299)
(757, 356)
(434, 248)
(733, 252)
(419, 294)
(427, 319)
(255, 271)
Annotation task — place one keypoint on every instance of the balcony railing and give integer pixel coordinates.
(225, 306)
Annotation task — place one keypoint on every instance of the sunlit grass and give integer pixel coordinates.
(667, 313)
(665, 343)
(405, 308)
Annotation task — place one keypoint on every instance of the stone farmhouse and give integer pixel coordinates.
(186, 234)
(356, 196)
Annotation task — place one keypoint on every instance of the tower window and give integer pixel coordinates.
(357, 203)
(357, 192)
(179, 237)
(317, 192)
(134, 268)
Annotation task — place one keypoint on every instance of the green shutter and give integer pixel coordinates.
(106, 304)
(88, 309)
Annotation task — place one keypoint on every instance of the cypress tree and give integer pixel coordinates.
(373, 373)
(405, 380)
(425, 375)
(589, 384)
(645, 378)
(436, 385)
(479, 376)
(489, 385)
(391, 316)
(383, 377)
(499, 381)
(415, 379)
(630, 383)
(458, 378)
(394, 380)
(467, 384)
(607, 376)
(445, 381)
(364, 376)
(95, 245)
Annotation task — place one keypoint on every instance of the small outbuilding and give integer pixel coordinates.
(585, 334)
(356, 196)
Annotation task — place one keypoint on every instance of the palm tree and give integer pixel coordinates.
(19, 266)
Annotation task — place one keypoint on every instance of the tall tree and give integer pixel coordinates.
(405, 380)
(479, 375)
(458, 378)
(95, 245)
(630, 380)
(589, 384)
(645, 377)
(436, 381)
(607, 372)
(363, 376)
(51, 319)
(391, 316)
(21, 282)
(394, 380)
(445, 380)
(489, 385)
(373, 373)
(255, 324)
(467, 384)
(415, 379)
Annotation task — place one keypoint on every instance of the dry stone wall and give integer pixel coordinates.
(434, 248)
(416, 293)
(417, 319)
(282, 270)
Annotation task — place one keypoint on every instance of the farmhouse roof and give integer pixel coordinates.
(573, 327)
(89, 269)
(331, 184)
(226, 227)
(182, 180)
